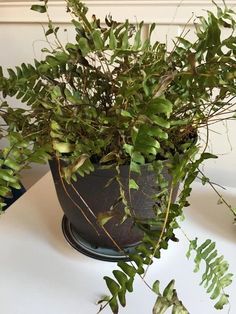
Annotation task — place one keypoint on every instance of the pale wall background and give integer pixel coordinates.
(21, 38)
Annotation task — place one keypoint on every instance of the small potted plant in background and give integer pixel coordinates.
(119, 119)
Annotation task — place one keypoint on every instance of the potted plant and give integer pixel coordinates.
(118, 119)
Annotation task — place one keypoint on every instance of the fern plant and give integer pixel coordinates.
(168, 299)
(215, 277)
(112, 99)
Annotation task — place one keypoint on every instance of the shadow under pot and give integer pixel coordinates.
(91, 196)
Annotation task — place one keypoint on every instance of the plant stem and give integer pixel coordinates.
(216, 191)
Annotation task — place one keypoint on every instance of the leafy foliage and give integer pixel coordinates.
(215, 277)
(168, 299)
(113, 99)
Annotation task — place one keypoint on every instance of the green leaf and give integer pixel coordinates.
(5, 191)
(134, 167)
(63, 147)
(152, 27)
(97, 39)
(138, 260)
(126, 113)
(146, 144)
(156, 287)
(15, 185)
(138, 158)
(112, 285)
(168, 291)
(137, 39)
(49, 32)
(208, 250)
(157, 132)
(114, 305)
(148, 149)
(224, 299)
(39, 8)
(62, 56)
(214, 276)
(187, 44)
(44, 68)
(12, 73)
(2, 205)
(56, 92)
(84, 46)
(160, 121)
(208, 156)
(226, 280)
(128, 148)
(161, 305)
(129, 270)
(120, 277)
(121, 296)
(112, 40)
(125, 40)
(216, 293)
(129, 284)
(167, 300)
(7, 175)
(160, 105)
(133, 185)
(12, 164)
(179, 309)
(55, 126)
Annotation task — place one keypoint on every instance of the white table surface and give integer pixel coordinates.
(41, 274)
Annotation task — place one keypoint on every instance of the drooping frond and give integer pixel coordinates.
(215, 277)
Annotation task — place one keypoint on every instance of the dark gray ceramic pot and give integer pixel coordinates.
(93, 192)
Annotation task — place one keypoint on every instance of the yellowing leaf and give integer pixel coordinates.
(103, 218)
(79, 162)
(133, 185)
(63, 147)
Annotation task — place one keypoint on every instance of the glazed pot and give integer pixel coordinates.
(92, 193)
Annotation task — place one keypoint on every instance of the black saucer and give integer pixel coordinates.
(100, 253)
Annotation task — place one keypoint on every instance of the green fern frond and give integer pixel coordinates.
(168, 299)
(215, 277)
(119, 285)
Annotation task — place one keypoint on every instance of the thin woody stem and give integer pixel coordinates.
(67, 193)
(92, 213)
(216, 191)
(103, 228)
